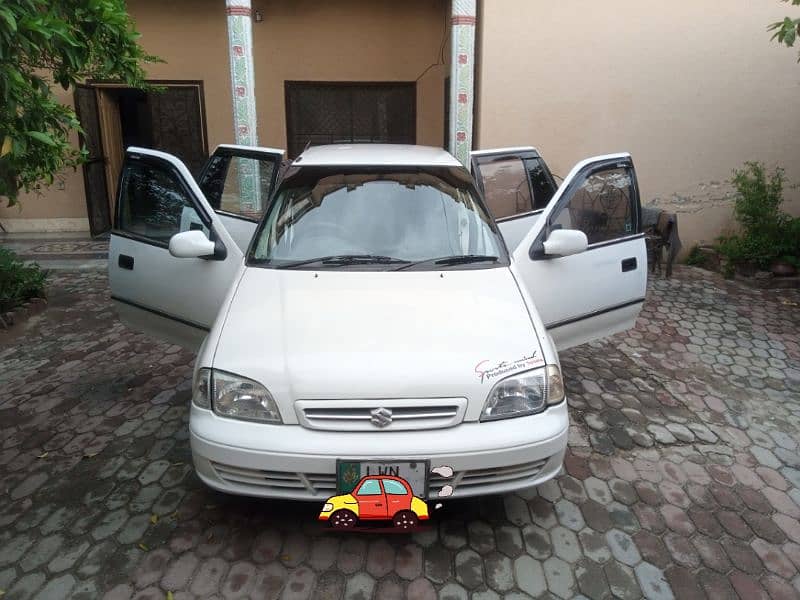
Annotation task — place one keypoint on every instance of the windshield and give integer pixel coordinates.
(377, 219)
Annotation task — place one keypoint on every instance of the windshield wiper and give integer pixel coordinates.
(344, 260)
(449, 261)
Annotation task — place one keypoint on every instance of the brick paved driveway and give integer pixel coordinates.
(683, 477)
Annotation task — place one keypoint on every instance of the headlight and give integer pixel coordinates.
(201, 390)
(524, 394)
(235, 397)
(328, 507)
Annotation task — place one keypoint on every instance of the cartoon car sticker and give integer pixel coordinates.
(376, 498)
(381, 498)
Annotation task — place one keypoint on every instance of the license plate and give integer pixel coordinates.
(348, 473)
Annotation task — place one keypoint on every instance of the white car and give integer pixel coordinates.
(377, 319)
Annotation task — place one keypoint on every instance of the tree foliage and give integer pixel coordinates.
(788, 30)
(46, 42)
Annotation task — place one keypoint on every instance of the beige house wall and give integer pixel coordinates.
(350, 40)
(691, 88)
(347, 40)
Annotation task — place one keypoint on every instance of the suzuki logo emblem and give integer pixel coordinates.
(381, 417)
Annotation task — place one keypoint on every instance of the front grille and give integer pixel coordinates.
(279, 482)
(470, 482)
(322, 485)
(377, 415)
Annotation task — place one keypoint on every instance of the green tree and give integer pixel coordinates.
(787, 31)
(47, 42)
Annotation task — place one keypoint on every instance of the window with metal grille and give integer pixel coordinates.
(352, 112)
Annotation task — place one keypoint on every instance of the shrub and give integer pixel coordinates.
(695, 258)
(18, 282)
(767, 233)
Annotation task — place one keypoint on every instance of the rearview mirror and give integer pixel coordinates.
(563, 242)
(191, 244)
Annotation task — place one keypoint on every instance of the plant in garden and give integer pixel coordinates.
(787, 31)
(767, 233)
(44, 42)
(695, 258)
(18, 282)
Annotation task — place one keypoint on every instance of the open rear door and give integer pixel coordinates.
(516, 185)
(176, 299)
(238, 182)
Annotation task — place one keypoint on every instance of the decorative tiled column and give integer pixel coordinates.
(462, 76)
(240, 50)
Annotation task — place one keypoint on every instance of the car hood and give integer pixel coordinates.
(311, 335)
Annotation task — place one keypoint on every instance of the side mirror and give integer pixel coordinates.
(563, 242)
(191, 244)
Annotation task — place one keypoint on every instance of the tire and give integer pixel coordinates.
(405, 519)
(343, 519)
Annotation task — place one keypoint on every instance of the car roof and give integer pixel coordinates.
(376, 155)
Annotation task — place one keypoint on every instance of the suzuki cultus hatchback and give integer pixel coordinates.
(377, 308)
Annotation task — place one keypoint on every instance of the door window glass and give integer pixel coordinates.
(506, 189)
(370, 487)
(394, 488)
(239, 185)
(153, 204)
(602, 206)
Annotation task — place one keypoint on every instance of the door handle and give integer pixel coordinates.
(125, 262)
(629, 264)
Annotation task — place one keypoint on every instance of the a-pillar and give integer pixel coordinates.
(462, 77)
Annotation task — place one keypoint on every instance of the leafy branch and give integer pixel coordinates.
(786, 31)
(47, 42)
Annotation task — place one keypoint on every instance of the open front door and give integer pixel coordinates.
(516, 186)
(155, 291)
(238, 182)
(584, 261)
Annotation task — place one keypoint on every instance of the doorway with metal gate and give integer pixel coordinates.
(168, 117)
(349, 112)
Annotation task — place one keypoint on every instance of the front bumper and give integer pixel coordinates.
(292, 462)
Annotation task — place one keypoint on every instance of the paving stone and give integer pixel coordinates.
(591, 580)
(330, 586)
(653, 583)
(469, 569)
(623, 547)
(300, 585)
(359, 587)
(57, 588)
(559, 576)
(565, 544)
(408, 562)
(26, 586)
(272, 578)
(773, 558)
(594, 545)
(481, 536)
(179, 572)
(509, 540)
(711, 553)
(537, 542)
(352, 553)
(621, 581)
(747, 587)
(569, 515)
(529, 576)
(438, 567)
(421, 589)
(717, 586)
